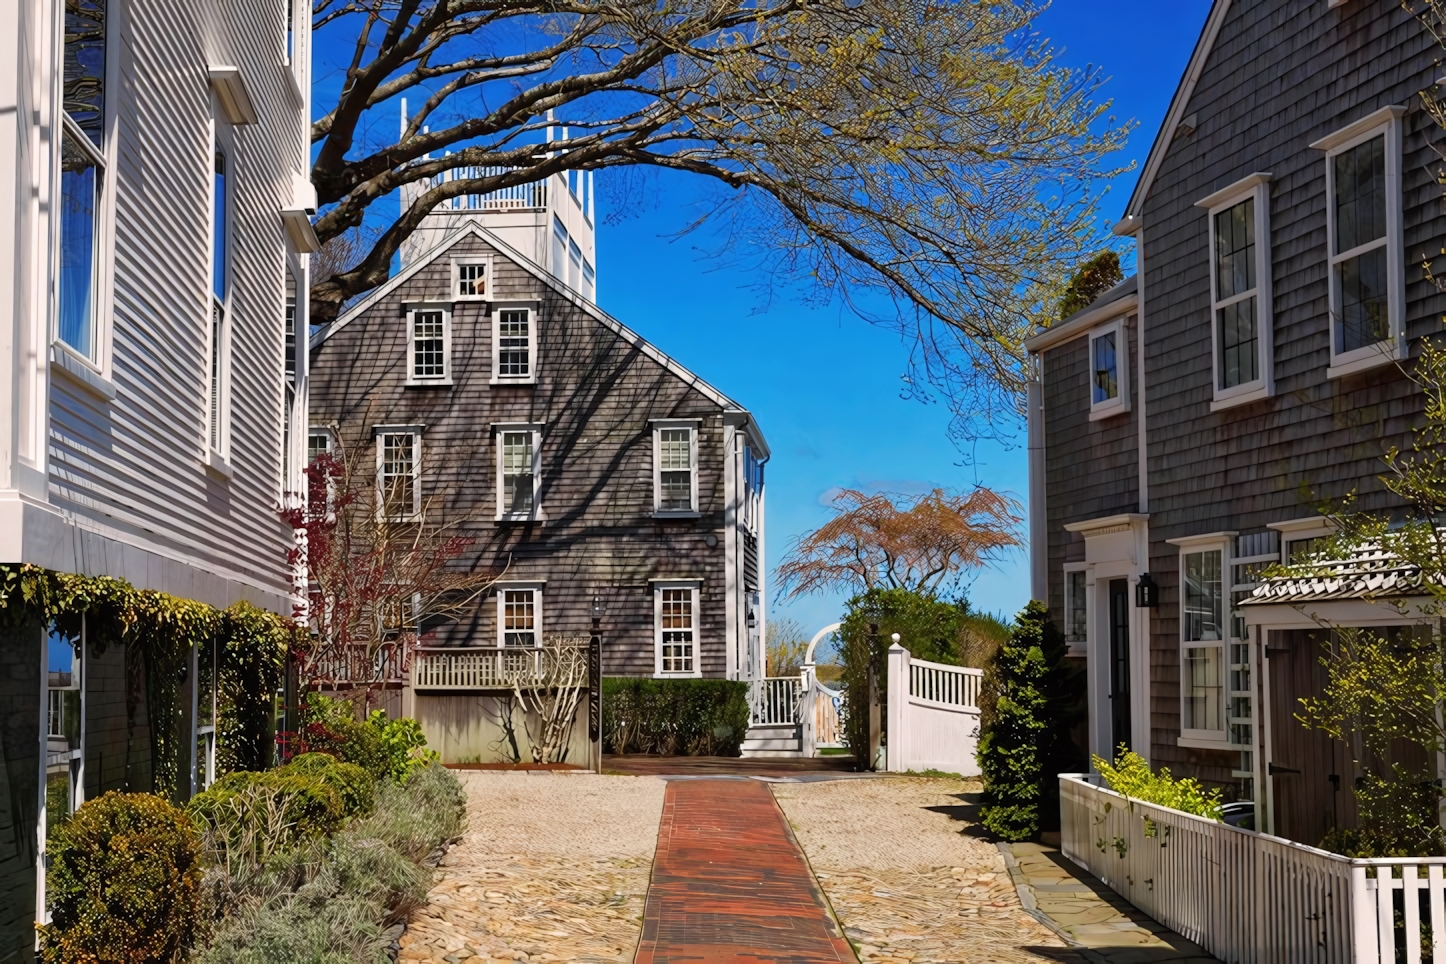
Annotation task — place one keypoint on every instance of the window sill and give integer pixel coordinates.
(1100, 414)
(696, 675)
(677, 514)
(498, 380)
(66, 362)
(428, 382)
(1208, 743)
(217, 465)
(520, 519)
(1242, 398)
(1364, 359)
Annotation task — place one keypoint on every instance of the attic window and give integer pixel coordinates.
(471, 279)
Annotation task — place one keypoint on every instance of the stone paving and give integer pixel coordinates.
(906, 884)
(553, 867)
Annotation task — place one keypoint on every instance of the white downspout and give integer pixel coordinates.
(1038, 519)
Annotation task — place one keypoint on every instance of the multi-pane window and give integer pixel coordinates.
(64, 727)
(519, 617)
(318, 443)
(1202, 622)
(514, 343)
(429, 344)
(518, 488)
(1236, 329)
(82, 173)
(219, 272)
(676, 632)
(1360, 245)
(1076, 620)
(675, 459)
(472, 280)
(397, 474)
(1108, 370)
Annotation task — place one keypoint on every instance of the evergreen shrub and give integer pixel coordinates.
(1030, 700)
(403, 746)
(330, 726)
(124, 883)
(674, 717)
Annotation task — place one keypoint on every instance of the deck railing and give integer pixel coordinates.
(1251, 898)
(355, 666)
(517, 197)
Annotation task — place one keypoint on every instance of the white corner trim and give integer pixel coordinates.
(1353, 130)
(1204, 539)
(1247, 183)
(231, 92)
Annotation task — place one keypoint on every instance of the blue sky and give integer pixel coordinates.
(825, 386)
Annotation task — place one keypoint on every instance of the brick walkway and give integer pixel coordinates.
(731, 884)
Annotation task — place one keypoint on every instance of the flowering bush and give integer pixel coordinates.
(1131, 777)
(124, 883)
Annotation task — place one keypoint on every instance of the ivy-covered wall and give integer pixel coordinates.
(21, 656)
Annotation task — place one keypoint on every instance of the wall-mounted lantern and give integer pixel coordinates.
(1147, 594)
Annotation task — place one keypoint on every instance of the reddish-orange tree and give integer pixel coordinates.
(889, 541)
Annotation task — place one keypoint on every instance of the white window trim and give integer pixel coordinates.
(323, 430)
(1079, 647)
(455, 290)
(658, 585)
(1188, 545)
(1121, 402)
(694, 425)
(1257, 187)
(1386, 121)
(531, 308)
(446, 377)
(536, 429)
(378, 432)
(537, 586)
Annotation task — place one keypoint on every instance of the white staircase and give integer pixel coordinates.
(773, 731)
(773, 741)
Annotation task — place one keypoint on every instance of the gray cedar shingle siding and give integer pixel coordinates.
(595, 394)
(1280, 76)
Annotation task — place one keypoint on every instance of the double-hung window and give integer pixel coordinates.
(318, 443)
(675, 467)
(429, 345)
(675, 622)
(1076, 606)
(514, 345)
(1363, 221)
(519, 464)
(519, 615)
(399, 463)
(1203, 613)
(220, 271)
(1109, 370)
(82, 176)
(1240, 293)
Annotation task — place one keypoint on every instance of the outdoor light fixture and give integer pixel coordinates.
(599, 606)
(1147, 594)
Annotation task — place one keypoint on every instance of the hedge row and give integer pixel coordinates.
(674, 717)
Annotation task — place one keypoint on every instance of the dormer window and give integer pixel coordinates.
(1109, 370)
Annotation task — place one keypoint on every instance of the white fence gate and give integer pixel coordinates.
(933, 715)
(1250, 898)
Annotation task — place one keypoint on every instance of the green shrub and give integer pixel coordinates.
(674, 717)
(1396, 816)
(403, 745)
(1029, 701)
(1130, 776)
(330, 726)
(356, 786)
(330, 902)
(124, 883)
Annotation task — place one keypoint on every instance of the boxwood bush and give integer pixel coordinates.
(674, 717)
(124, 883)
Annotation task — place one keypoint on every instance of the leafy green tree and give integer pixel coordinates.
(1031, 700)
(1090, 280)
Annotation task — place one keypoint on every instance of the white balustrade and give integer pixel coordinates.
(775, 700)
(516, 197)
(1251, 898)
(476, 669)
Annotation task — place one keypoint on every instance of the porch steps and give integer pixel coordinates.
(774, 742)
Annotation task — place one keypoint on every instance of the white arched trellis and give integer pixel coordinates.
(817, 638)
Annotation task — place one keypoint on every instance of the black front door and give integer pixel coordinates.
(1119, 664)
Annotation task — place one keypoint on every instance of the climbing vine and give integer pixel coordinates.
(158, 632)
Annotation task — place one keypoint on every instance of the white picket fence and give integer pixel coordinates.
(933, 715)
(1251, 898)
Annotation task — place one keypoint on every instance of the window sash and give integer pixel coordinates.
(1203, 690)
(519, 617)
(1360, 195)
(471, 279)
(215, 402)
(676, 639)
(1076, 612)
(514, 343)
(429, 346)
(398, 475)
(1104, 367)
(675, 469)
(1202, 618)
(518, 486)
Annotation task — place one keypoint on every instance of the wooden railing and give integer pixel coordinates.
(830, 713)
(1251, 898)
(775, 700)
(492, 668)
(949, 685)
(354, 666)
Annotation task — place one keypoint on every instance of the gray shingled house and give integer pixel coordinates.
(1185, 427)
(566, 446)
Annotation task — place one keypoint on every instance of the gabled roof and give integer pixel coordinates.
(1173, 116)
(1120, 298)
(1369, 573)
(647, 348)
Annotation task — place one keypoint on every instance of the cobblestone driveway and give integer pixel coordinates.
(553, 867)
(903, 880)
